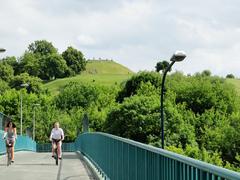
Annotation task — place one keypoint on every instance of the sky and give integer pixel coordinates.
(135, 33)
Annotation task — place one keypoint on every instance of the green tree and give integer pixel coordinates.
(133, 84)
(162, 66)
(3, 86)
(77, 95)
(6, 72)
(230, 76)
(9, 100)
(206, 73)
(136, 118)
(52, 66)
(34, 83)
(42, 48)
(12, 61)
(30, 64)
(74, 59)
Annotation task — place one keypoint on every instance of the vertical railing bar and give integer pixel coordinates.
(158, 167)
(192, 173)
(145, 159)
(136, 170)
(128, 161)
(117, 156)
(184, 171)
(213, 177)
(206, 175)
(162, 166)
(196, 174)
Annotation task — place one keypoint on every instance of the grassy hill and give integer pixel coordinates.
(106, 67)
(236, 83)
(107, 73)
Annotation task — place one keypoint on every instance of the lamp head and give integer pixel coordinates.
(2, 50)
(24, 85)
(178, 56)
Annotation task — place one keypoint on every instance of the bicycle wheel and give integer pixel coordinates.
(56, 152)
(8, 156)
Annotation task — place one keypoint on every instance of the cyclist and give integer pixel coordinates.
(57, 136)
(10, 134)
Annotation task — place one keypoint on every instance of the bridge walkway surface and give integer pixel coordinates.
(41, 166)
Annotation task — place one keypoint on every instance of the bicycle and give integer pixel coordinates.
(9, 145)
(55, 146)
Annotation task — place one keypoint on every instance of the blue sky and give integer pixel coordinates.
(135, 33)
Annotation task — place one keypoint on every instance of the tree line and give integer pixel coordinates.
(41, 62)
(202, 111)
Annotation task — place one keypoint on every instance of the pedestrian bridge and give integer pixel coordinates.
(105, 156)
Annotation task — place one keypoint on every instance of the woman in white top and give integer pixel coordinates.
(57, 136)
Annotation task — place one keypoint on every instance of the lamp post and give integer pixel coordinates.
(34, 120)
(22, 85)
(176, 57)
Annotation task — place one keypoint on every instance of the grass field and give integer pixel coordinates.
(106, 67)
(106, 73)
(236, 83)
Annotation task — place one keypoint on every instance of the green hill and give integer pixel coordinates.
(103, 72)
(236, 83)
(106, 67)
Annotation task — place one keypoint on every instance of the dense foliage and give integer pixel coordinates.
(42, 60)
(202, 115)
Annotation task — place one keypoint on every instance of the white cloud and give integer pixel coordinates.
(136, 33)
(86, 40)
(22, 31)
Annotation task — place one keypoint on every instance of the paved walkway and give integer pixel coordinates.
(41, 166)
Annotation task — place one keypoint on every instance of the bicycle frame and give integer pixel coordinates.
(9, 146)
(55, 147)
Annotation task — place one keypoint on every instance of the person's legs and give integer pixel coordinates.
(59, 149)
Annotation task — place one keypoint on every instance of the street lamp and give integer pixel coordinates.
(176, 57)
(34, 120)
(22, 85)
(2, 50)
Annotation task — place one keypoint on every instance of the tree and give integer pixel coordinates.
(230, 76)
(6, 72)
(133, 84)
(162, 66)
(206, 73)
(77, 95)
(42, 48)
(74, 59)
(12, 61)
(3, 86)
(136, 118)
(30, 64)
(34, 83)
(52, 66)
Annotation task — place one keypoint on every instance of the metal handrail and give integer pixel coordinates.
(181, 166)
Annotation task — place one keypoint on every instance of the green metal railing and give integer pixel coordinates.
(23, 143)
(47, 147)
(122, 159)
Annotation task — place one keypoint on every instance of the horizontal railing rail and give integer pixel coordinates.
(124, 159)
(23, 143)
(47, 147)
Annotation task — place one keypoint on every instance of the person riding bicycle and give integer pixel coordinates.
(57, 136)
(10, 134)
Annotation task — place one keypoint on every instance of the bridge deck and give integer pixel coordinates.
(41, 166)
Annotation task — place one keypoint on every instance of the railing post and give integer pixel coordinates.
(85, 123)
